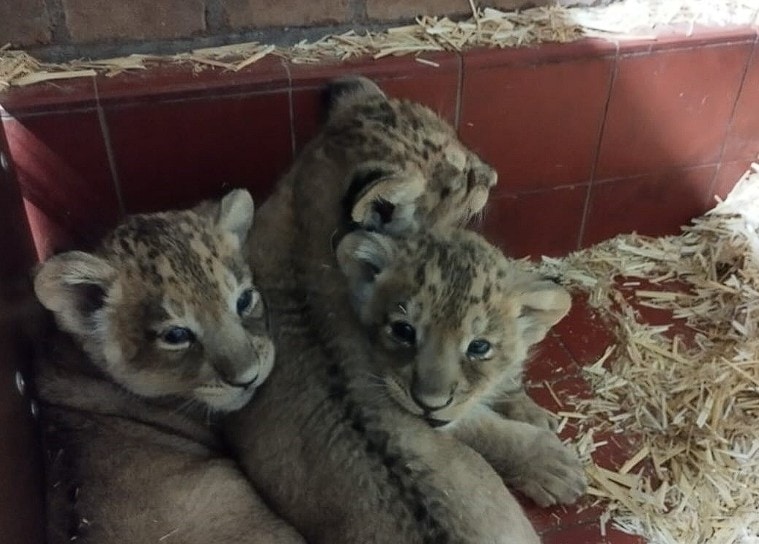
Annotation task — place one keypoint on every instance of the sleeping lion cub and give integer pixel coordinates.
(451, 320)
(160, 328)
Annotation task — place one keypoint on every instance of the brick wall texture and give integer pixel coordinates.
(242, 14)
(24, 22)
(99, 20)
(30, 23)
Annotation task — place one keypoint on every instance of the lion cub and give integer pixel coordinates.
(159, 329)
(451, 321)
(341, 464)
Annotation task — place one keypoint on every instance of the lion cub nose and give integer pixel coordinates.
(243, 382)
(229, 374)
(430, 401)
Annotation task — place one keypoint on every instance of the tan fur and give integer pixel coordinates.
(451, 321)
(340, 462)
(126, 410)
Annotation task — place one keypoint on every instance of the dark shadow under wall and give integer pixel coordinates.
(21, 503)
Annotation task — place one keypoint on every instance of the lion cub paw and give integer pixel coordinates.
(553, 475)
(526, 410)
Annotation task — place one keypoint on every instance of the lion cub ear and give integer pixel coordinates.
(362, 256)
(346, 91)
(542, 305)
(382, 197)
(74, 286)
(235, 216)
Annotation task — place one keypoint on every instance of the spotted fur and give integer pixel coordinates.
(451, 321)
(155, 272)
(404, 141)
(343, 464)
(393, 165)
(127, 409)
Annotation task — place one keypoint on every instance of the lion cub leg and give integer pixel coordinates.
(520, 407)
(530, 459)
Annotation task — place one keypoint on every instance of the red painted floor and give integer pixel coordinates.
(556, 367)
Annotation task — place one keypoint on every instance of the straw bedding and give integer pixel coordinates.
(689, 394)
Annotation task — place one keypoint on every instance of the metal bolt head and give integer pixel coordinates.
(33, 408)
(20, 383)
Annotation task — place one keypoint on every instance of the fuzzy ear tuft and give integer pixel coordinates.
(236, 211)
(346, 91)
(74, 286)
(543, 304)
(362, 256)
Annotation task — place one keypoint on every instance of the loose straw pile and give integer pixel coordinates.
(485, 28)
(693, 402)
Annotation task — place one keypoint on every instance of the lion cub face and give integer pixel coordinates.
(167, 305)
(448, 315)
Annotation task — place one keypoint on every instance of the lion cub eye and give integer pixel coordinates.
(403, 332)
(178, 337)
(478, 348)
(245, 301)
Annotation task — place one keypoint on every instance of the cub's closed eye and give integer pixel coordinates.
(245, 301)
(178, 336)
(403, 332)
(478, 348)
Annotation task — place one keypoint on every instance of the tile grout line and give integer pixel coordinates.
(191, 97)
(109, 150)
(459, 92)
(547, 189)
(652, 49)
(598, 182)
(599, 140)
(567, 351)
(657, 172)
(731, 120)
(558, 529)
(54, 110)
(291, 108)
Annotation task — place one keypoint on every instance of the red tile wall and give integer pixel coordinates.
(537, 121)
(436, 86)
(62, 166)
(652, 204)
(590, 139)
(670, 109)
